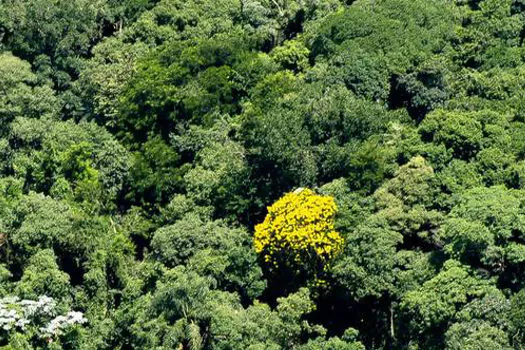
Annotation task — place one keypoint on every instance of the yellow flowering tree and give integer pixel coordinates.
(299, 231)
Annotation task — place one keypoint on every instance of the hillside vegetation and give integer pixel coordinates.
(262, 174)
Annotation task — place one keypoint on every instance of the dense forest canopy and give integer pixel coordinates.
(262, 174)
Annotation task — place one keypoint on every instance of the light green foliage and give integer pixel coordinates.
(493, 163)
(467, 240)
(186, 301)
(437, 301)
(66, 159)
(412, 269)
(476, 335)
(334, 343)
(103, 79)
(484, 228)
(516, 314)
(496, 207)
(405, 202)
(21, 95)
(458, 176)
(483, 323)
(213, 249)
(292, 55)
(493, 308)
(366, 269)
(42, 222)
(42, 276)
(463, 133)
(220, 178)
(413, 183)
(490, 38)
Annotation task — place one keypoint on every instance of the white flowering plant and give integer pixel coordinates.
(36, 318)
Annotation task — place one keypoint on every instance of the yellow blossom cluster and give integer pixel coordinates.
(301, 226)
